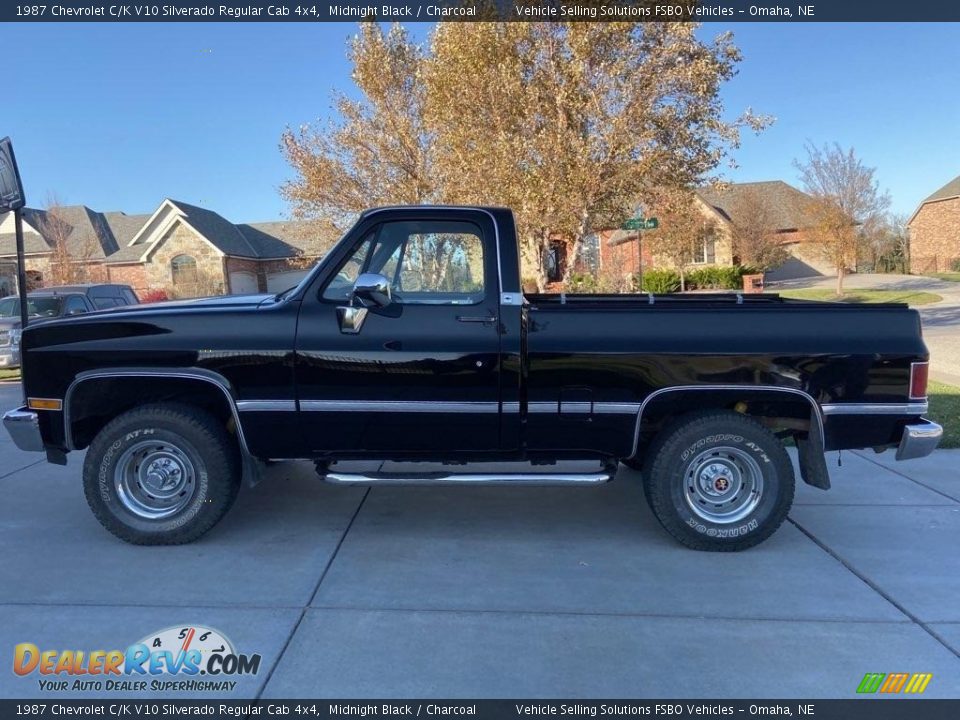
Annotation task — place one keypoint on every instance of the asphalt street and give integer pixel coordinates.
(498, 592)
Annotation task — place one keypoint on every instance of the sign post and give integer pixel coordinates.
(639, 224)
(11, 198)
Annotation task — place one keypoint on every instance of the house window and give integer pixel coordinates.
(184, 271)
(707, 251)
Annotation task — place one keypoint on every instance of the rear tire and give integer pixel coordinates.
(161, 474)
(718, 481)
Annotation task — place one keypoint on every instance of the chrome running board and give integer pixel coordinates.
(525, 479)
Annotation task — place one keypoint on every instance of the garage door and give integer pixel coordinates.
(282, 280)
(243, 283)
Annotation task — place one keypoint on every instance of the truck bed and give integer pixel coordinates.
(720, 299)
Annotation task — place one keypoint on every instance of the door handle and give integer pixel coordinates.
(491, 318)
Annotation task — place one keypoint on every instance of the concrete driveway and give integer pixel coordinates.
(941, 321)
(496, 593)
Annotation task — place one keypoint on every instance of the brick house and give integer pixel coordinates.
(181, 248)
(935, 231)
(787, 210)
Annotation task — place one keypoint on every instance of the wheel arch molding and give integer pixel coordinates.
(99, 393)
(678, 399)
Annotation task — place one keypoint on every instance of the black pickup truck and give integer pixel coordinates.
(413, 341)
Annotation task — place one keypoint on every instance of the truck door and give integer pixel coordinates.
(420, 372)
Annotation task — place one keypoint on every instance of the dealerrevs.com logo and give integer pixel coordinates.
(180, 658)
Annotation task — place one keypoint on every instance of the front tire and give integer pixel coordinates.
(161, 474)
(719, 481)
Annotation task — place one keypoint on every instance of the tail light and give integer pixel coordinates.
(918, 380)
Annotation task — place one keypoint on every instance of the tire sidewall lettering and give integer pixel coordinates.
(107, 490)
(750, 524)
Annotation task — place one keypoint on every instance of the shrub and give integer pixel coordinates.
(583, 283)
(955, 265)
(659, 280)
(715, 277)
(154, 295)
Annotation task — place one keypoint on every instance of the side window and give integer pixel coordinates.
(105, 302)
(428, 262)
(74, 305)
(342, 284)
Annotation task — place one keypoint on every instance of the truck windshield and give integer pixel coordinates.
(42, 307)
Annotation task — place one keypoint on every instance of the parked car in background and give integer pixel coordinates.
(55, 302)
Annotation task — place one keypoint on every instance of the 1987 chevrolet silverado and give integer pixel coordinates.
(412, 340)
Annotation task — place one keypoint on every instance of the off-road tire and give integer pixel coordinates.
(670, 480)
(215, 468)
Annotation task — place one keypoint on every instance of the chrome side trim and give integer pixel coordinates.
(919, 440)
(197, 374)
(912, 408)
(817, 413)
(525, 479)
(267, 405)
(540, 406)
(616, 408)
(578, 408)
(406, 406)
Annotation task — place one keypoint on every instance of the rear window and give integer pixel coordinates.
(129, 296)
(102, 303)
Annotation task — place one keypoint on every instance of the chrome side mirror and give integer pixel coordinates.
(372, 290)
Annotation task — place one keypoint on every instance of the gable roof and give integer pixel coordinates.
(85, 232)
(788, 207)
(223, 234)
(950, 190)
(120, 238)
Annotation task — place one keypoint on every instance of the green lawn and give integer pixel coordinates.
(9, 373)
(911, 297)
(951, 276)
(945, 409)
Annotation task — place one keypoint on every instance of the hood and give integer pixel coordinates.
(216, 301)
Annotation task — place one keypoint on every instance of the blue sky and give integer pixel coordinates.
(118, 116)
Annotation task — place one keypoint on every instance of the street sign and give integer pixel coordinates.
(640, 224)
(11, 189)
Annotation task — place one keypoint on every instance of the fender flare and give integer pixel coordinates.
(250, 465)
(816, 414)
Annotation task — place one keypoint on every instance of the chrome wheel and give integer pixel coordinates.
(154, 479)
(723, 485)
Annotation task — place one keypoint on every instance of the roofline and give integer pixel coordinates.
(166, 201)
(927, 202)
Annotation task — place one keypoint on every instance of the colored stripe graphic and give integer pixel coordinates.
(871, 682)
(918, 683)
(894, 682)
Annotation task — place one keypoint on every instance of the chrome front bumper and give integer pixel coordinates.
(919, 440)
(24, 428)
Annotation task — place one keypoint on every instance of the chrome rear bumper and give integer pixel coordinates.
(919, 440)
(24, 428)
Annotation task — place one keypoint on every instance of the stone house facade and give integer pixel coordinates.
(935, 231)
(181, 249)
(787, 210)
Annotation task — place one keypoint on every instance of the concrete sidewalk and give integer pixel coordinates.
(497, 592)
